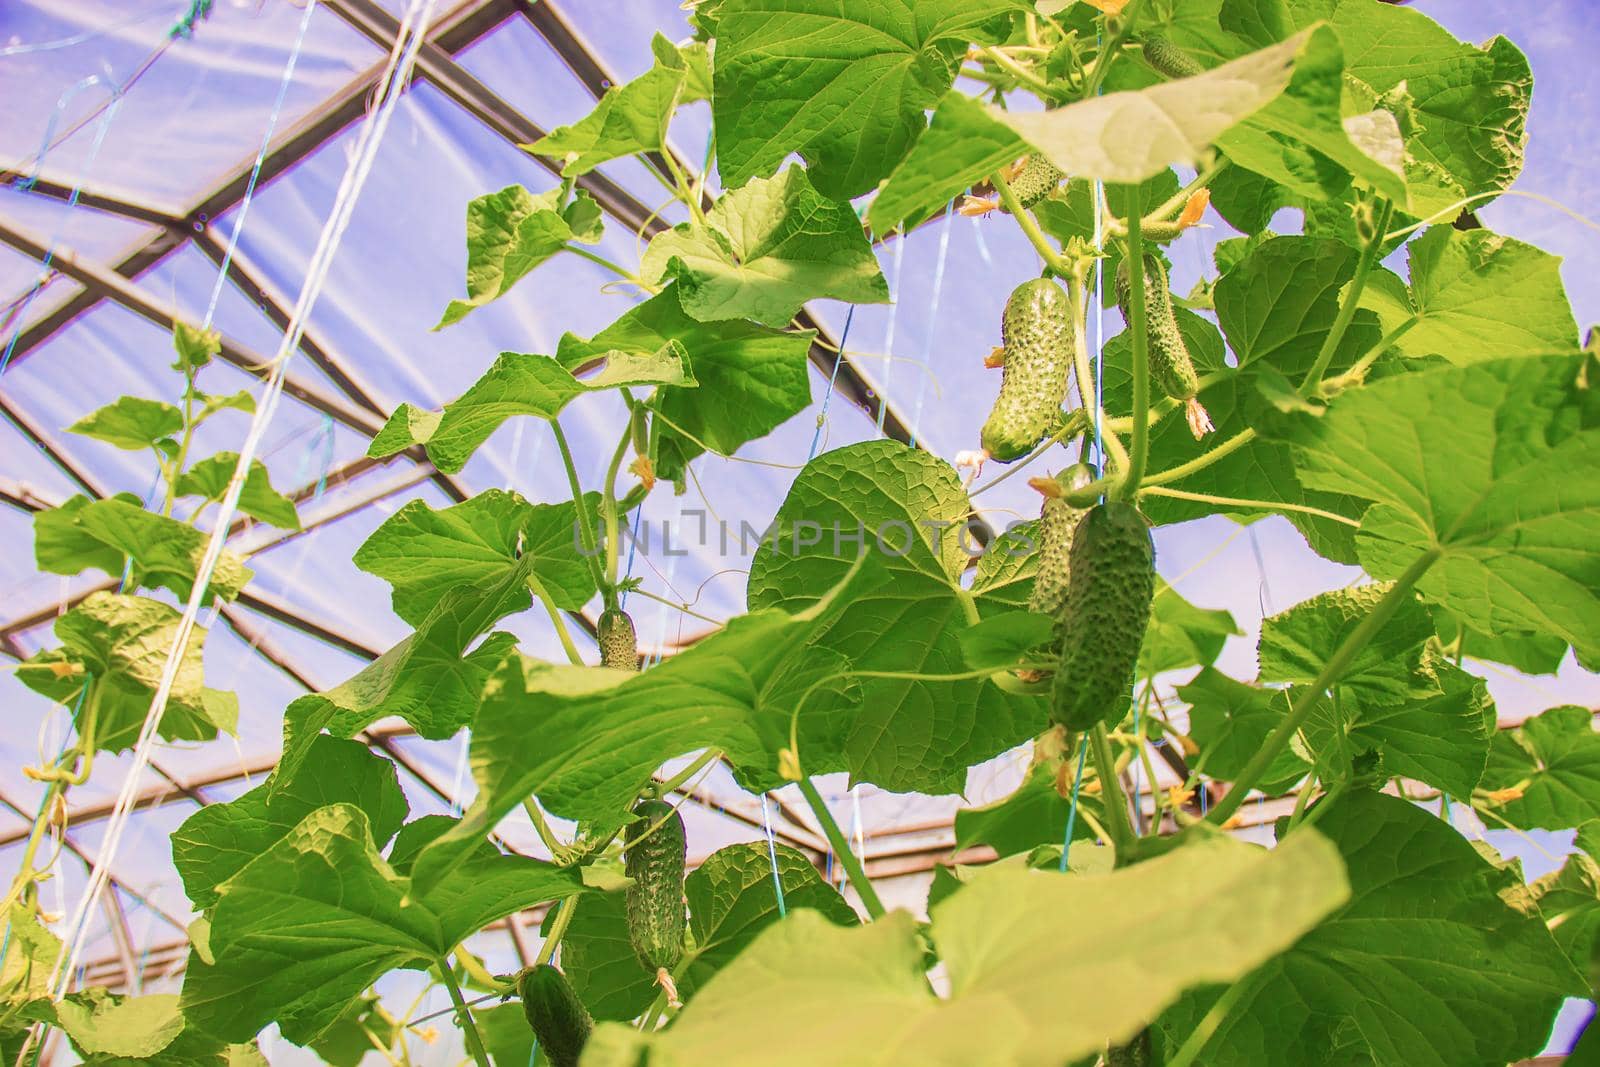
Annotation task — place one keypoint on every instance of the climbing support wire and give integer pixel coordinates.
(772, 854)
(888, 335)
(932, 320)
(396, 76)
(1072, 808)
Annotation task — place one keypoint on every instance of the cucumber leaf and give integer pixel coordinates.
(1030, 981)
(1547, 771)
(765, 249)
(1425, 965)
(843, 85)
(209, 479)
(132, 422)
(1296, 643)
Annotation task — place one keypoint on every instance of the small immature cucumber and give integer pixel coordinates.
(1036, 180)
(1169, 59)
(558, 1018)
(1105, 615)
(619, 646)
(657, 916)
(1170, 364)
(1058, 519)
(1037, 330)
(1140, 1052)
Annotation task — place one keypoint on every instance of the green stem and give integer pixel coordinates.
(685, 193)
(841, 849)
(1201, 462)
(1386, 342)
(585, 526)
(542, 828)
(538, 590)
(1102, 62)
(1116, 805)
(1244, 502)
(1208, 1025)
(1301, 800)
(176, 469)
(1030, 228)
(1139, 440)
(678, 605)
(620, 271)
(608, 511)
(709, 756)
(1347, 309)
(464, 1016)
(564, 913)
(1017, 70)
(1177, 200)
(1331, 671)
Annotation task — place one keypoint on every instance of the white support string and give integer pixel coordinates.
(413, 29)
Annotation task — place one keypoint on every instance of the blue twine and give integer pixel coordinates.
(1072, 810)
(77, 38)
(933, 318)
(102, 126)
(261, 156)
(772, 854)
(1133, 777)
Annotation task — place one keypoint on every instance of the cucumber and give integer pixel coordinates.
(619, 646)
(657, 917)
(1105, 615)
(1037, 329)
(1035, 180)
(1057, 521)
(1169, 59)
(559, 1020)
(1171, 366)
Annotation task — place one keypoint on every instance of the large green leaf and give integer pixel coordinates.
(1031, 983)
(964, 145)
(209, 479)
(843, 85)
(904, 511)
(1471, 104)
(121, 643)
(1230, 719)
(1476, 295)
(430, 679)
(766, 248)
(347, 1042)
(1425, 965)
(628, 119)
(1553, 762)
(1182, 635)
(423, 553)
(1132, 135)
(585, 739)
(116, 532)
(1569, 901)
(1036, 813)
(732, 899)
(518, 384)
(301, 932)
(219, 840)
(100, 1023)
(1295, 644)
(507, 1037)
(132, 422)
(1470, 461)
(1295, 137)
(513, 231)
(750, 378)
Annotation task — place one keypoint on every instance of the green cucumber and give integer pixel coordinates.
(559, 1020)
(1169, 59)
(1037, 179)
(619, 646)
(657, 917)
(1037, 329)
(1057, 521)
(1170, 364)
(1105, 616)
(1140, 1052)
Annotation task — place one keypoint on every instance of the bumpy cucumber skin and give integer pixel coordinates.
(1058, 520)
(657, 916)
(1036, 180)
(1037, 332)
(1105, 615)
(619, 646)
(1171, 366)
(1169, 59)
(558, 1018)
